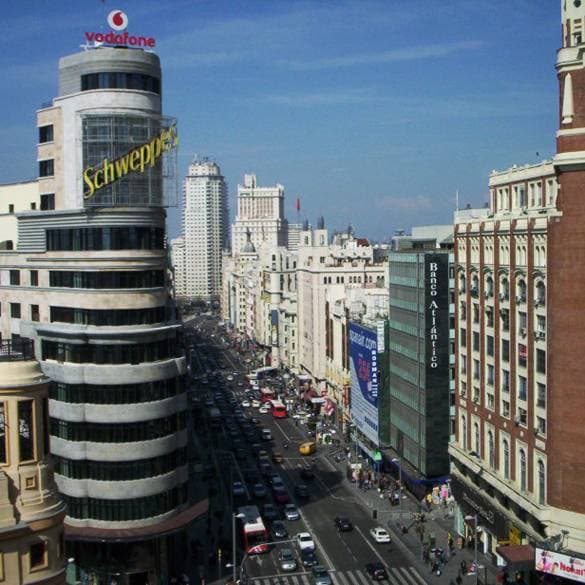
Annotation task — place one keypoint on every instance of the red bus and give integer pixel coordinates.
(278, 409)
(267, 395)
(254, 533)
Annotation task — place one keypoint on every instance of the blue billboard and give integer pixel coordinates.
(363, 359)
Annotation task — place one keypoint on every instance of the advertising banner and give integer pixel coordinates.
(363, 358)
(274, 327)
(129, 160)
(560, 565)
(437, 320)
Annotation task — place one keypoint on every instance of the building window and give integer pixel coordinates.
(476, 439)
(540, 395)
(506, 449)
(475, 313)
(505, 409)
(505, 318)
(491, 401)
(15, 310)
(11, 208)
(523, 472)
(476, 369)
(522, 355)
(34, 278)
(522, 388)
(46, 168)
(105, 238)
(522, 417)
(463, 437)
(491, 450)
(463, 311)
(46, 134)
(489, 313)
(521, 296)
(463, 337)
(490, 345)
(25, 430)
(541, 483)
(490, 374)
(505, 350)
(120, 80)
(475, 341)
(540, 295)
(541, 361)
(47, 201)
(15, 277)
(505, 290)
(34, 313)
(38, 555)
(505, 381)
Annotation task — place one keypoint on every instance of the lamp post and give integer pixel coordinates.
(473, 519)
(234, 516)
(396, 460)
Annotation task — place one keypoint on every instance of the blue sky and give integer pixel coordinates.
(373, 113)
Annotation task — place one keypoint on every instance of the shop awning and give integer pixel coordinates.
(519, 557)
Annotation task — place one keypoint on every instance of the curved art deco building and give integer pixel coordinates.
(89, 283)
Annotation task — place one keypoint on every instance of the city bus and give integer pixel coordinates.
(267, 394)
(278, 409)
(253, 534)
(263, 373)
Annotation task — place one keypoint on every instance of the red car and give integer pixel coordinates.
(280, 495)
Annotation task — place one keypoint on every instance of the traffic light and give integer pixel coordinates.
(375, 514)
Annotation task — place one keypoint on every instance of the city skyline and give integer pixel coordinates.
(403, 104)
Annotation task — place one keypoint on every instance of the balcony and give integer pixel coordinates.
(17, 350)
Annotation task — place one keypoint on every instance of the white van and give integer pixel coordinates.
(266, 435)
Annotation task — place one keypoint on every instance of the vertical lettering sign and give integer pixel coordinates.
(437, 318)
(363, 351)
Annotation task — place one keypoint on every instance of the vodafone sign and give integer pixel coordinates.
(118, 22)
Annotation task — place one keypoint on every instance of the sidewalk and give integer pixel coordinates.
(438, 524)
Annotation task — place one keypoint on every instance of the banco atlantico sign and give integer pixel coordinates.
(137, 160)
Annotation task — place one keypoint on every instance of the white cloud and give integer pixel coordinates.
(392, 56)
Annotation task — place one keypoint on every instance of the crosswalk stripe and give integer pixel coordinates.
(417, 576)
(342, 579)
(408, 576)
(295, 579)
(392, 578)
(364, 580)
(335, 578)
(304, 579)
(353, 580)
(266, 581)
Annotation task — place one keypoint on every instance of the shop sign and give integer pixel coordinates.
(118, 22)
(137, 160)
(560, 565)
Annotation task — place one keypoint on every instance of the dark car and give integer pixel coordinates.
(309, 558)
(280, 495)
(278, 529)
(270, 512)
(307, 474)
(302, 491)
(377, 571)
(343, 524)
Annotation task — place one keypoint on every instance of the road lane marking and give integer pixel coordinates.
(283, 433)
(393, 579)
(305, 579)
(336, 578)
(353, 580)
(362, 578)
(382, 560)
(316, 540)
(295, 579)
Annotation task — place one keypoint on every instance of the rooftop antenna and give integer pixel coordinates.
(457, 200)
(298, 210)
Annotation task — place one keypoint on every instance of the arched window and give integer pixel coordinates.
(540, 293)
(523, 483)
(474, 285)
(462, 283)
(476, 445)
(506, 449)
(504, 290)
(491, 450)
(463, 437)
(521, 297)
(489, 287)
(541, 483)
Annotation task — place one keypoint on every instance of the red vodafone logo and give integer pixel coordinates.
(117, 20)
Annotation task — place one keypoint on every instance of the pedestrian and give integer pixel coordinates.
(458, 579)
(463, 566)
(450, 541)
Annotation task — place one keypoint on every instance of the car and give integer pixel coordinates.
(259, 490)
(238, 489)
(376, 571)
(278, 529)
(276, 480)
(301, 491)
(230, 378)
(241, 454)
(343, 524)
(277, 457)
(255, 421)
(307, 474)
(380, 535)
(262, 454)
(265, 468)
(305, 541)
(307, 448)
(240, 383)
(270, 512)
(256, 447)
(266, 434)
(245, 404)
(291, 512)
(264, 409)
(280, 495)
(287, 560)
(256, 403)
(320, 575)
(309, 558)
(236, 373)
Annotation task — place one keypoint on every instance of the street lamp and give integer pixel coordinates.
(473, 519)
(234, 516)
(396, 460)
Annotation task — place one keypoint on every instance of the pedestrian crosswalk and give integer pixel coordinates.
(396, 576)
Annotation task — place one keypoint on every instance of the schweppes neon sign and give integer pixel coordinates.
(136, 160)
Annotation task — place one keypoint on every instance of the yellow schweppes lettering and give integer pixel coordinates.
(136, 160)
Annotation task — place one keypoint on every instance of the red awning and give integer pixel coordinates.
(519, 557)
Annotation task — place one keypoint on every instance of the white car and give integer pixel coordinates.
(245, 404)
(291, 512)
(256, 404)
(305, 541)
(230, 378)
(264, 409)
(380, 535)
